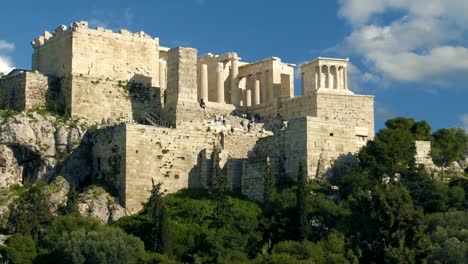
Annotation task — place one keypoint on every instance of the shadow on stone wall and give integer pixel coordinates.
(144, 97)
(78, 167)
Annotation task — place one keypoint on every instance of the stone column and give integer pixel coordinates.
(263, 88)
(321, 81)
(204, 82)
(345, 80)
(338, 77)
(235, 97)
(328, 77)
(248, 97)
(336, 80)
(219, 83)
(269, 85)
(162, 74)
(256, 91)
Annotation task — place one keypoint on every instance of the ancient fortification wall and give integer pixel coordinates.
(95, 66)
(109, 158)
(127, 76)
(140, 153)
(25, 90)
(351, 110)
(102, 98)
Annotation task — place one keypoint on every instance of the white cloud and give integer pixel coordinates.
(5, 65)
(464, 119)
(408, 40)
(5, 45)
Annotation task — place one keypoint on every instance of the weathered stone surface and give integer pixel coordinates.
(32, 144)
(97, 203)
(56, 194)
(23, 90)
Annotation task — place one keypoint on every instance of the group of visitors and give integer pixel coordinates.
(220, 119)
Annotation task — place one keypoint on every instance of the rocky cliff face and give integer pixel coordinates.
(36, 145)
(32, 145)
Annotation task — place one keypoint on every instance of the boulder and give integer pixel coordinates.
(56, 194)
(97, 203)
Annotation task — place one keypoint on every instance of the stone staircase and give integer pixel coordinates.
(154, 120)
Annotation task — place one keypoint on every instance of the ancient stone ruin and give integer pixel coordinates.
(153, 95)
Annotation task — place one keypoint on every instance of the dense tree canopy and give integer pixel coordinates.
(354, 217)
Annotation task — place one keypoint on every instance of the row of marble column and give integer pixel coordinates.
(324, 75)
(257, 90)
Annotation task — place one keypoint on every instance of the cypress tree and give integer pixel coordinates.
(301, 203)
(160, 233)
(219, 188)
(268, 182)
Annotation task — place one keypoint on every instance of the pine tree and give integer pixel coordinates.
(268, 182)
(301, 203)
(160, 233)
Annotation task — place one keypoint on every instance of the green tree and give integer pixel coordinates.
(20, 249)
(301, 206)
(30, 214)
(107, 245)
(268, 182)
(160, 233)
(383, 225)
(393, 149)
(447, 147)
(219, 189)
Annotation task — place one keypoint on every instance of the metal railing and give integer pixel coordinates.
(154, 120)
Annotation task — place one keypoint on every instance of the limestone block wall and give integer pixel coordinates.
(102, 98)
(351, 110)
(99, 52)
(119, 56)
(131, 155)
(12, 92)
(168, 156)
(36, 90)
(423, 153)
(53, 53)
(25, 90)
(298, 107)
(109, 158)
(181, 105)
(327, 143)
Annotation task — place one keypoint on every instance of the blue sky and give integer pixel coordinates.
(411, 54)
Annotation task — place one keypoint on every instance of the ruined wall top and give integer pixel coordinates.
(83, 27)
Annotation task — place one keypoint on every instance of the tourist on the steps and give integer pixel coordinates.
(202, 104)
(232, 129)
(249, 126)
(224, 120)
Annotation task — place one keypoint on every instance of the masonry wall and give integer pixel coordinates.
(328, 143)
(36, 90)
(350, 110)
(53, 54)
(23, 91)
(118, 56)
(12, 92)
(169, 156)
(423, 153)
(109, 158)
(102, 98)
(95, 66)
(181, 105)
